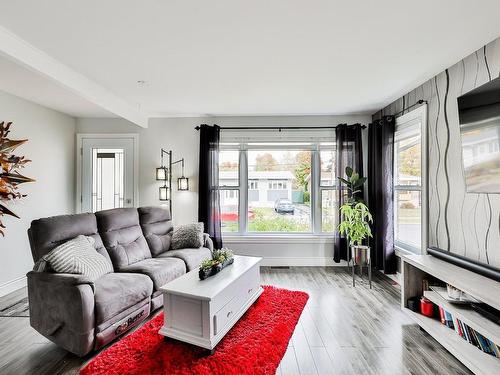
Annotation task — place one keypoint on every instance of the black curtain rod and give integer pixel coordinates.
(421, 101)
(280, 128)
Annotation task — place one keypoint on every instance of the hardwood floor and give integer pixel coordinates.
(343, 330)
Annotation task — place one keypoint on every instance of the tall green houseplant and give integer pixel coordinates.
(356, 218)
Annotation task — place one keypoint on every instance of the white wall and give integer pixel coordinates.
(52, 151)
(178, 134)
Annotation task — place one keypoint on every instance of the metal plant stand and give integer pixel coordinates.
(367, 264)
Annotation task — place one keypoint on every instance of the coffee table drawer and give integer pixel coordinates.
(246, 287)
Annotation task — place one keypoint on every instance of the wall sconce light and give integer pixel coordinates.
(182, 182)
(164, 173)
(164, 193)
(161, 173)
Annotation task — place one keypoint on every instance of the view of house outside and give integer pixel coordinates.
(407, 194)
(279, 190)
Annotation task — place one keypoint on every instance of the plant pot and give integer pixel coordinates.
(204, 273)
(216, 268)
(227, 262)
(360, 255)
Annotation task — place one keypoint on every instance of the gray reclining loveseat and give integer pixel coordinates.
(80, 315)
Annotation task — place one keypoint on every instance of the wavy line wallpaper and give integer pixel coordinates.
(464, 223)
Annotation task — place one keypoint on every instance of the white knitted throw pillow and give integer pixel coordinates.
(78, 256)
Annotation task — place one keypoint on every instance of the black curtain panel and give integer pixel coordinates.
(349, 154)
(208, 188)
(380, 192)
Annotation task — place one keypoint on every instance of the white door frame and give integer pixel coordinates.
(79, 148)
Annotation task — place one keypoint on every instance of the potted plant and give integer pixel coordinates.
(212, 266)
(356, 218)
(206, 268)
(224, 256)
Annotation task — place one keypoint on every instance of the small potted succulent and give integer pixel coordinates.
(206, 268)
(224, 256)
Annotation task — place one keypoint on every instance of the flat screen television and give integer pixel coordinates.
(479, 115)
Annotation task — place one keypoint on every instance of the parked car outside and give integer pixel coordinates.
(284, 206)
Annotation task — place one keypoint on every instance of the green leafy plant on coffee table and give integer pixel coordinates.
(222, 255)
(208, 264)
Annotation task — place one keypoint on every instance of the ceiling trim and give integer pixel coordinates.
(31, 57)
(264, 114)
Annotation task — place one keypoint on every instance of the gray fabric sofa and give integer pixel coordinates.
(80, 315)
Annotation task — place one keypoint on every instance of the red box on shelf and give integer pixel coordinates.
(426, 307)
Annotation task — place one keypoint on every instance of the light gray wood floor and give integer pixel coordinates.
(343, 330)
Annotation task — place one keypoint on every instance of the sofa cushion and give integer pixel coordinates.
(156, 226)
(48, 233)
(187, 236)
(122, 236)
(78, 256)
(116, 292)
(160, 270)
(192, 257)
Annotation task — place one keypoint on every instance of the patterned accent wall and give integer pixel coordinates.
(463, 223)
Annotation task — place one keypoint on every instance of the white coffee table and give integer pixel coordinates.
(201, 312)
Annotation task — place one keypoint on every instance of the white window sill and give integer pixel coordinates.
(279, 238)
(399, 251)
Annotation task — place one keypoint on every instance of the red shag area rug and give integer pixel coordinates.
(255, 345)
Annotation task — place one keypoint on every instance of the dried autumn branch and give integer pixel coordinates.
(10, 178)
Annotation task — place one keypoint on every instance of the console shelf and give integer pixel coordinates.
(415, 268)
(477, 361)
(470, 317)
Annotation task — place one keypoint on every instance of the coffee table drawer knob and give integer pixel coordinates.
(229, 314)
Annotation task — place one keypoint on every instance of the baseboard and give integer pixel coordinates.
(12, 285)
(395, 277)
(300, 261)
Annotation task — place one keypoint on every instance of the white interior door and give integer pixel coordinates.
(107, 173)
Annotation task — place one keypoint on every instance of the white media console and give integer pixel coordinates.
(414, 269)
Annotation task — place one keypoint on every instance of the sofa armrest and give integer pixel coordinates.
(207, 242)
(66, 279)
(62, 309)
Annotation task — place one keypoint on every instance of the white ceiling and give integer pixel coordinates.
(260, 57)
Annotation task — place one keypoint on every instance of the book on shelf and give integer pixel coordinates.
(496, 349)
(457, 327)
(441, 315)
(448, 319)
(468, 333)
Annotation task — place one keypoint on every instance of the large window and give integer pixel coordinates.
(278, 188)
(282, 202)
(409, 176)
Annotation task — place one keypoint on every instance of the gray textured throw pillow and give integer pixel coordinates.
(187, 236)
(78, 256)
